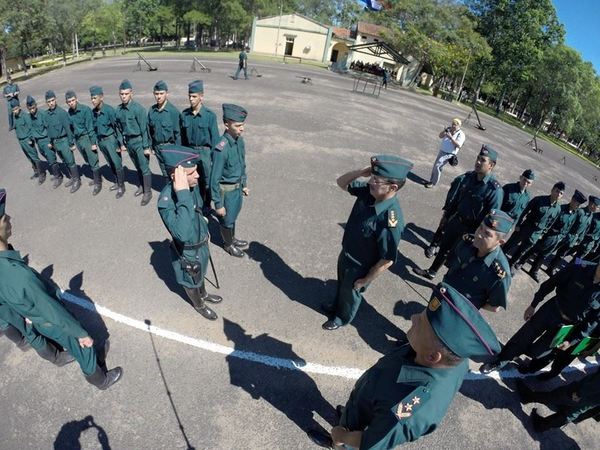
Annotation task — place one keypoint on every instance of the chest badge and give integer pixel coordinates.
(392, 219)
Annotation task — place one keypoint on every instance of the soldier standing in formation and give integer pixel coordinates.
(228, 179)
(10, 91)
(22, 126)
(516, 195)
(133, 124)
(109, 137)
(180, 208)
(371, 236)
(39, 136)
(163, 123)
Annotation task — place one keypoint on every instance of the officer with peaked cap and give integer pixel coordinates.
(228, 179)
(163, 123)
(371, 236)
(199, 131)
(37, 301)
(132, 121)
(180, 208)
(109, 137)
(535, 222)
(477, 267)
(407, 393)
(557, 233)
(22, 125)
(516, 195)
(61, 138)
(577, 234)
(82, 124)
(470, 198)
(39, 136)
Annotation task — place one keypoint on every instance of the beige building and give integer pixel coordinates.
(297, 36)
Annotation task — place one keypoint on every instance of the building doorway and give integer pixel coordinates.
(289, 45)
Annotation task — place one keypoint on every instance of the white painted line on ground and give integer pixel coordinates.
(280, 363)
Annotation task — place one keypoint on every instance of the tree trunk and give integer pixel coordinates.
(189, 31)
(3, 61)
(501, 101)
(478, 88)
(161, 36)
(177, 38)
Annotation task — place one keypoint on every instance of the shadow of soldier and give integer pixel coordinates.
(372, 327)
(160, 260)
(287, 389)
(493, 395)
(416, 178)
(70, 432)
(157, 182)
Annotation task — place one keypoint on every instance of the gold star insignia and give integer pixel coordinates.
(416, 400)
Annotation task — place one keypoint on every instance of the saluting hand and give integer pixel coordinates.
(85, 342)
(180, 182)
(366, 172)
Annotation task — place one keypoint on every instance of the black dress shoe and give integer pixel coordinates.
(140, 191)
(213, 298)
(330, 325)
(328, 307)
(320, 438)
(206, 312)
(234, 251)
(431, 251)
(239, 243)
(492, 367)
(425, 273)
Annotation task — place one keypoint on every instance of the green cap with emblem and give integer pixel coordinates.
(487, 150)
(459, 325)
(177, 155)
(2, 201)
(234, 112)
(498, 220)
(390, 166)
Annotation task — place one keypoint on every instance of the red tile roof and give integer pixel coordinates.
(341, 32)
(370, 28)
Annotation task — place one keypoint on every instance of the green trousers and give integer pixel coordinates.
(90, 156)
(348, 299)
(108, 146)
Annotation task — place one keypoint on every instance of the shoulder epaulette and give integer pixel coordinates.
(221, 145)
(411, 403)
(499, 270)
(468, 237)
(392, 219)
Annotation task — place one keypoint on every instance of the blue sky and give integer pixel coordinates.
(581, 19)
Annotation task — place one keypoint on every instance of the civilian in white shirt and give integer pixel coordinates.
(453, 139)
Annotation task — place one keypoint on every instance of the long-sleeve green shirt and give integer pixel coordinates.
(228, 165)
(199, 130)
(82, 122)
(22, 124)
(132, 120)
(59, 124)
(39, 127)
(163, 125)
(105, 123)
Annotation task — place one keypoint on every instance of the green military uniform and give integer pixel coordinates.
(372, 233)
(10, 91)
(591, 239)
(467, 203)
(535, 222)
(515, 198)
(109, 139)
(398, 400)
(575, 298)
(39, 134)
(242, 65)
(200, 132)
(486, 280)
(557, 234)
(61, 138)
(163, 125)
(228, 178)
(133, 124)
(22, 126)
(181, 213)
(82, 124)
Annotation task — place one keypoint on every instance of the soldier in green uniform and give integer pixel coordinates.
(575, 288)
(133, 124)
(109, 137)
(228, 180)
(200, 131)
(82, 124)
(61, 138)
(37, 301)
(557, 234)
(39, 135)
(536, 220)
(575, 402)
(180, 208)
(470, 198)
(477, 267)
(163, 123)
(516, 195)
(10, 91)
(242, 64)
(371, 236)
(22, 126)
(591, 240)
(582, 224)
(407, 393)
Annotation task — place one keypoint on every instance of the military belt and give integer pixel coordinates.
(229, 187)
(197, 245)
(103, 138)
(199, 147)
(131, 137)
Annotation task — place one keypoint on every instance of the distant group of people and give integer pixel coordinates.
(374, 69)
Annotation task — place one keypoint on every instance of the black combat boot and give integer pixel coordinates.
(140, 189)
(55, 356)
(147, 185)
(97, 182)
(75, 179)
(57, 177)
(120, 183)
(41, 172)
(534, 272)
(103, 379)
(15, 335)
(239, 243)
(227, 235)
(36, 173)
(198, 303)
(211, 298)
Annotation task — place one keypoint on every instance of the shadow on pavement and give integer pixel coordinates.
(290, 391)
(160, 260)
(492, 395)
(69, 434)
(416, 178)
(158, 182)
(372, 327)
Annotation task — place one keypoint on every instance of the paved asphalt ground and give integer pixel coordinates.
(188, 391)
